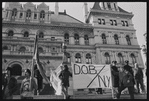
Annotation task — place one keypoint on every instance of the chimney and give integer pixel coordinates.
(85, 10)
(56, 8)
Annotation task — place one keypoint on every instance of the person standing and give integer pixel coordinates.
(64, 77)
(115, 77)
(139, 78)
(10, 84)
(28, 86)
(39, 80)
(125, 81)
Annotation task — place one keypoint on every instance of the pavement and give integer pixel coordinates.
(91, 96)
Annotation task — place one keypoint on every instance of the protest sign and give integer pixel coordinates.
(91, 76)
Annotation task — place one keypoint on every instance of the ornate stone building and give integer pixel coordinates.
(107, 34)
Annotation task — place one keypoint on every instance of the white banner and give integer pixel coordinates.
(91, 76)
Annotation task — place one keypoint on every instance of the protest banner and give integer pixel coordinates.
(91, 76)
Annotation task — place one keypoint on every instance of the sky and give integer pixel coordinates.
(75, 9)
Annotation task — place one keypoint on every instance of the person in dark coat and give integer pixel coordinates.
(10, 84)
(64, 77)
(139, 78)
(39, 79)
(115, 77)
(125, 81)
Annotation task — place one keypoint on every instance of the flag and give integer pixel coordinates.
(36, 58)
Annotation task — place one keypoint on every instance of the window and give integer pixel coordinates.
(133, 58)
(116, 39)
(26, 34)
(76, 37)
(41, 35)
(68, 57)
(88, 59)
(126, 23)
(101, 21)
(22, 49)
(14, 13)
(40, 50)
(78, 58)
(86, 39)
(52, 38)
(111, 22)
(104, 39)
(35, 16)
(120, 58)
(28, 14)
(21, 14)
(66, 38)
(109, 6)
(5, 47)
(128, 40)
(10, 33)
(115, 23)
(42, 15)
(107, 56)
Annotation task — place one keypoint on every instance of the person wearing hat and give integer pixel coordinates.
(10, 84)
(125, 81)
(28, 86)
(115, 77)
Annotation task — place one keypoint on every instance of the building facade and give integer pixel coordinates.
(106, 35)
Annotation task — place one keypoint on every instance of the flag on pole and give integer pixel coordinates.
(36, 58)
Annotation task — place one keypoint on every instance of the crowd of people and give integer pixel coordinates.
(123, 76)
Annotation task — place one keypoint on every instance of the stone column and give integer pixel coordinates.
(71, 39)
(9, 15)
(32, 16)
(81, 40)
(105, 4)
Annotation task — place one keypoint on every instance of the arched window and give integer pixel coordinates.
(103, 36)
(121, 60)
(116, 39)
(109, 6)
(41, 35)
(5, 48)
(107, 56)
(66, 38)
(14, 13)
(88, 59)
(76, 37)
(22, 49)
(86, 39)
(42, 15)
(68, 57)
(10, 33)
(133, 58)
(40, 50)
(28, 14)
(128, 40)
(26, 34)
(78, 58)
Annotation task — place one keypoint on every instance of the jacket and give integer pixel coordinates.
(124, 78)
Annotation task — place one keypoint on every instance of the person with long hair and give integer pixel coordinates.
(64, 76)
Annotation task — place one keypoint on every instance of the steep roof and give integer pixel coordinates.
(63, 17)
